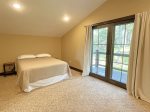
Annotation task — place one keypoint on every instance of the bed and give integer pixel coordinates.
(39, 72)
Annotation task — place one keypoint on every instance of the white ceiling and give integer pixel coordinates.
(44, 17)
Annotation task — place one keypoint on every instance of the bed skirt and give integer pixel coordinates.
(46, 82)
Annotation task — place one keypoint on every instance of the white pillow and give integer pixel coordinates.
(26, 56)
(43, 55)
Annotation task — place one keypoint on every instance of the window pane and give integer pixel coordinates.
(118, 49)
(124, 77)
(125, 60)
(94, 69)
(102, 48)
(102, 57)
(125, 68)
(95, 48)
(119, 34)
(103, 35)
(116, 75)
(117, 59)
(102, 63)
(101, 70)
(117, 66)
(94, 59)
(129, 30)
(126, 49)
(95, 36)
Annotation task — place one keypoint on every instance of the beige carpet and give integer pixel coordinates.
(79, 94)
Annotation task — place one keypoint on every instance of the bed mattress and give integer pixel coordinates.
(39, 72)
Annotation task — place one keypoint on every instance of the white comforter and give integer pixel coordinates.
(40, 70)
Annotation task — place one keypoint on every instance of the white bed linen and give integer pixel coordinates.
(39, 72)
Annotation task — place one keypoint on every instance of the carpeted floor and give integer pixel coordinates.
(79, 94)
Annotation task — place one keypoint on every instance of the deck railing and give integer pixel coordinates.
(97, 64)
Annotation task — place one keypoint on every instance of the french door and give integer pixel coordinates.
(99, 53)
(110, 51)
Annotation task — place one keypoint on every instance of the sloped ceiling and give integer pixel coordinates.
(44, 17)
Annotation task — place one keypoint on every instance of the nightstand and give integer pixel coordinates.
(9, 69)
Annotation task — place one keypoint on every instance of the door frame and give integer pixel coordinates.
(109, 53)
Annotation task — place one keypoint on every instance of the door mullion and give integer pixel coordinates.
(109, 41)
(111, 50)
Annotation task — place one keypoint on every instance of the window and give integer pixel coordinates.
(111, 49)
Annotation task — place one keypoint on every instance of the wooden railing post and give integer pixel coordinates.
(97, 59)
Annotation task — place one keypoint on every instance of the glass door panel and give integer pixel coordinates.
(121, 50)
(99, 50)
